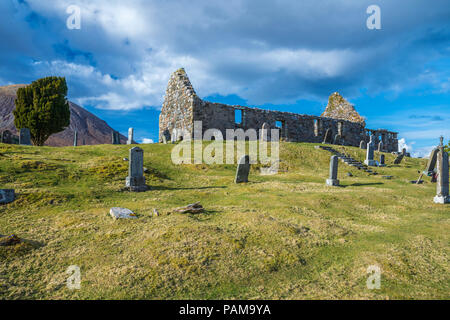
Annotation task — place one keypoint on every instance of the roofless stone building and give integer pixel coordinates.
(182, 107)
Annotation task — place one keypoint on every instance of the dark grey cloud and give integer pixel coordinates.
(263, 51)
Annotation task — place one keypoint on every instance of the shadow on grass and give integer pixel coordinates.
(204, 216)
(364, 184)
(160, 188)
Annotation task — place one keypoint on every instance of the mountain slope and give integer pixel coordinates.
(91, 129)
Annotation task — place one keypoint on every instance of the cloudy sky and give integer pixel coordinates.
(286, 55)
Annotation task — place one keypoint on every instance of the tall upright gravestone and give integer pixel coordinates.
(243, 170)
(75, 139)
(362, 144)
(130, 136)
(136, 180)
(25, 137)
(369, 155)
(333, 180)
(442, 188)
(115, 137)
(382, 161)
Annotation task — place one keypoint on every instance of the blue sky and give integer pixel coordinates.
(281, 55)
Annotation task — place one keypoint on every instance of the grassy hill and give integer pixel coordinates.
(287, 236)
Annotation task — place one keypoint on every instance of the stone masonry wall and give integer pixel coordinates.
(182, 107)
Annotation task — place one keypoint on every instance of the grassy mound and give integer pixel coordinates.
(285, 236)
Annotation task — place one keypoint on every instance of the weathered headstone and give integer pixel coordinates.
(6, 196)
(136, 180)
(243, 170)
(431, 165)
(382, 161)
(25, 137)
(369, 156)
(122, 213)
(7, 137)
(362, 144)
(372, 140)
(442, 187)
(75, 139)
(328, 137)
(404, 151)
(115, 137)
(130, 136)
(164, 139)
(333, 180)
(399, 158)
(264, 133)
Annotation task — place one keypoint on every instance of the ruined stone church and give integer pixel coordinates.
(340, 123)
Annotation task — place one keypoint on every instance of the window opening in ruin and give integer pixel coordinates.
(279, 124)
(238, 116)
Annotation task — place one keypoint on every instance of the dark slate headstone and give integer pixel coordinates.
(362, 144)
(431, 165)
(399, 158)
(7, 137)
(136, 180)
(332, 180)
(25, 137)
(328, 137)
(115, 137)
(382, 161)
(6, 196)
(243, 170)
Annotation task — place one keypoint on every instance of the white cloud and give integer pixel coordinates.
(147, 140)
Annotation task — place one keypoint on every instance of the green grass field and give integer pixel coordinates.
(287, 236)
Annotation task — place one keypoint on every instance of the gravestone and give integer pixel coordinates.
(164, 139)
(122, 213)
(362, 144)
(130, 136)
(7, 137)
(371, 141)
(25, 137)
(75, 139)
(404, 151)
(115, 137)
(382, 161)
(431, 165)
(6, 196)
(399, 158)
(243, 169)
(369, 156)
(264, 133)
(380, 147)
(333, 180)
(327, 138)
(442, 188)
(136, 180)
